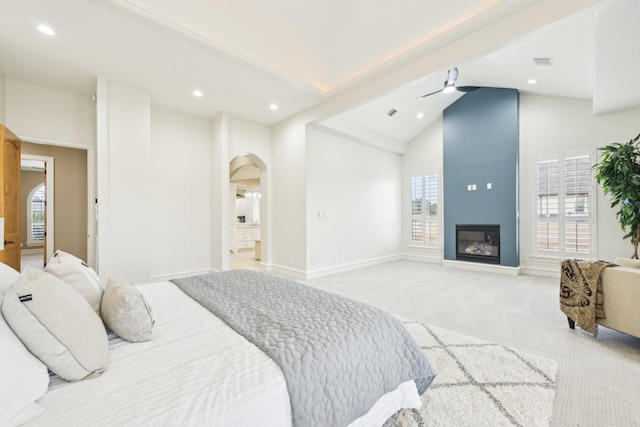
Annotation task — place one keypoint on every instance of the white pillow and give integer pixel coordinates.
(8, 277)
(627, 262)
(79, 275)
(126, 312)
(23, 378)
(57, 325)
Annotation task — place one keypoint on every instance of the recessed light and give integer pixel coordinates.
(420, 115)
(273, 107)
(45, 29)
(197, 93)
(532, 81)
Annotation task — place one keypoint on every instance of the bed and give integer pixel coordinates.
(197, 370)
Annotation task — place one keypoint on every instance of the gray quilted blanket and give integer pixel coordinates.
(338, 355)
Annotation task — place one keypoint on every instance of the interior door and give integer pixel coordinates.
(10, 197)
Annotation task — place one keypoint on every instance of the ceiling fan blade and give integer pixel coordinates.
(429, 94)
(466, 88)
(452, 76)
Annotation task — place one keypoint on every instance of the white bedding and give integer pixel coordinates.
(196, 371)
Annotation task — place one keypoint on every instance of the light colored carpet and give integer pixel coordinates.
(598, 382)
(480, 383)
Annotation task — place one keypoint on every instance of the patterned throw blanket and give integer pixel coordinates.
(581, 295)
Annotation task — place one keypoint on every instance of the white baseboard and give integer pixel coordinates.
(287, 272)
(167, 277)
(33, 251)
(422, 258)
(540, 272)
(314, 274)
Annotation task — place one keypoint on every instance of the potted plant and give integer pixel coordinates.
(618, 171)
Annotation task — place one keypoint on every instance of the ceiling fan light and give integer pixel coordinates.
(449, 89)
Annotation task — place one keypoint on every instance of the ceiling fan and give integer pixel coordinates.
(450, 86)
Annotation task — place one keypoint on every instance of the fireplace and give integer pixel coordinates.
(478, 243)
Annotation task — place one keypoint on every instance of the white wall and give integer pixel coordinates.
(353, 204)
(180, 185)
(2, 99)
(124, 182)
(424, 157)
(39, 114)
(288, 196)
(550, 124)
(547, 124)
(219, 195)
(249, 137)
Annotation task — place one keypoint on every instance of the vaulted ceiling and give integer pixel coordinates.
(247, 55)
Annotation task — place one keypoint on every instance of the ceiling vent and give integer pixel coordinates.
(542, 61)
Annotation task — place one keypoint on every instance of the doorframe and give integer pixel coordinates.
(49, 197)
(92, 214)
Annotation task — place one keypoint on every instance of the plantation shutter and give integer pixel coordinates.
(577, 205)
(424, 209)
(547, 235)
(431, 208)
(564, 206)
(417, 209)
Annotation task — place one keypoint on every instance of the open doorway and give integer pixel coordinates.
(66, 200)
(245, 225)
(36, 210)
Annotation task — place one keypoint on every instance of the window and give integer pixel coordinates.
(424, 209)
(36, 205)
(563, 206)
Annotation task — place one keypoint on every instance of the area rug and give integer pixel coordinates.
(480, 383)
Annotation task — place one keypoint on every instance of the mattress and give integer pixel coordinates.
(196, 371)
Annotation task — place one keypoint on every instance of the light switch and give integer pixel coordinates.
(488, 186)
(473, 187)
(469, 187)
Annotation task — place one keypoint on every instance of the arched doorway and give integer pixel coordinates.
(247, 213)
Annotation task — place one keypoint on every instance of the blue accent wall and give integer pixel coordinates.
(481, 147)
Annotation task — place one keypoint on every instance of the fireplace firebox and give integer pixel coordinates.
(478, 243)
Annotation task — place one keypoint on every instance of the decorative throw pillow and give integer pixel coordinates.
(79, 275)
(628, 262)
(8, 277)
(126, 312)
(57, 325)
(23, 378)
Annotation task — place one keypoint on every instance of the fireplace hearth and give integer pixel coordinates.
(478, 243)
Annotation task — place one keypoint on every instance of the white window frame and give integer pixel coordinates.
(426, 217)
(30, 239)
(563, 251)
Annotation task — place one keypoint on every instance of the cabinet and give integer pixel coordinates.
(246, 236)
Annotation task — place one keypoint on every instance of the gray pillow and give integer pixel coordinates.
(57, 325)
(126, 312)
